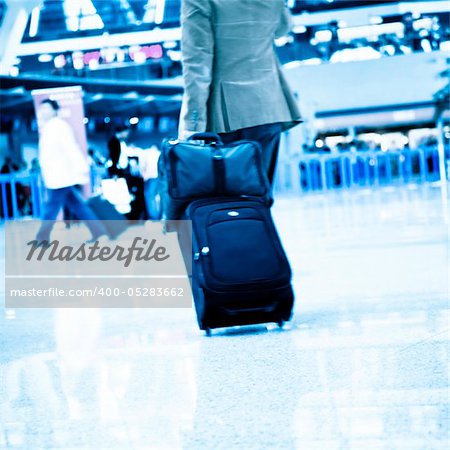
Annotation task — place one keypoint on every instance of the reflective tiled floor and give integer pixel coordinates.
(363, 365)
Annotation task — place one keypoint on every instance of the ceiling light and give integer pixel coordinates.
(376, 20)
(299, 29)
(44, 58)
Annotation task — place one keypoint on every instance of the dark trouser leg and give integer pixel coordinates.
(78, 206)
(151, 191)
(274, 159)
(268, 136)
(136, 187)
(233, 136)
(55, 201)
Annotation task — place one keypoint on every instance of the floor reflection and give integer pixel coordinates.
(99, 388)
(363, 365)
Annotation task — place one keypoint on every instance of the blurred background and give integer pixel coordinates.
(361, 207)
(371, 78)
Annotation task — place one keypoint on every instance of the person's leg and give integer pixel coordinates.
(55, 201)
(151, 191)
(268, 136)
(230, 137)
(78, 206)
(136, 188)
(275, 150)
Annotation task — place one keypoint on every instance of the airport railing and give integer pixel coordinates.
(320, 172)
(20, 196)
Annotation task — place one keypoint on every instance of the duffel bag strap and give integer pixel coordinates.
(219, 171)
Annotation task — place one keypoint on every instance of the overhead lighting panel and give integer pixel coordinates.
(154, 11)
(82, 15)
(34, 23)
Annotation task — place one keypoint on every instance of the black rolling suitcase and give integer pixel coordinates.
(114, 222)
(240, 273)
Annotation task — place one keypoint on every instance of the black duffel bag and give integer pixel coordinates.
(204, 167)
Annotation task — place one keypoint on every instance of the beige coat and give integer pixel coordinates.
(231, 73)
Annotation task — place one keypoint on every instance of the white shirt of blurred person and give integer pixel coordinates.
(61, 159)
(148, 162)
(126, 152)
(63, 167)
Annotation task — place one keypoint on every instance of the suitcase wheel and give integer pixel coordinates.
(280, 324)
(208, 332)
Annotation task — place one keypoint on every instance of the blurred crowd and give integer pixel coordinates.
(337, 42)
(321, 146)
(125, 175)
(420, 34)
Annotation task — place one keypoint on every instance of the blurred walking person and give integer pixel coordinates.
(233, 81)
(63, 168)
(117, 149)
(148, 163)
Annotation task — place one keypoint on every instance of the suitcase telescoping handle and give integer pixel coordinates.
(207, 137)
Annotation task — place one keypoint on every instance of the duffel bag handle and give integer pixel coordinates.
(208, 137)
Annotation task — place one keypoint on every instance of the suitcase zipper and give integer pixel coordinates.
(205, 251)
(199, 256)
